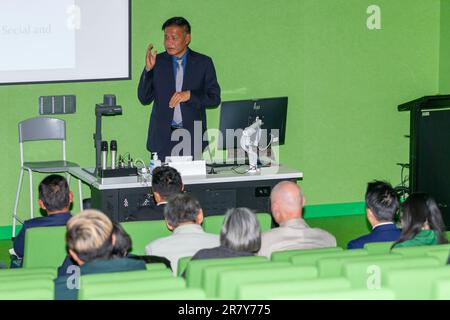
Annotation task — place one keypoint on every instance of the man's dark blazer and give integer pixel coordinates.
(383, 233)
(158, 85)
(156, 213)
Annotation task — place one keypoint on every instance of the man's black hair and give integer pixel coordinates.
(177, 21)
(166, 181)
(181, 207)
(382, 199)
(54, 192)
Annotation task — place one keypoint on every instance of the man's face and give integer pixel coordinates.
(176, 40)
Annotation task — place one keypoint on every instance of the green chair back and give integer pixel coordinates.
(44, 247)
(182, 264)
(125, 276)
(308, 259)
(332, 267)
(357, 294)
(441, 255)
(441, 289)
(270, 290)
(95, 290)
(173, 294)
(155, 266)
(360, 273)
(9, 273)
(24, 284)
(378, 247)
(195, 268)
(210, 276)
(421, 250)
(279, 256)
(414, 283)
(229, 281)
(143, 232)
(44, 293)
(213, 224)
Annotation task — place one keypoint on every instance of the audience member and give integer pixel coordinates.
(121, 249)
(240, 236)
(382, 204)
(421, 221)
(287, 203)
(90, 243)
(183, 216)
(166, 181)
(55, 198)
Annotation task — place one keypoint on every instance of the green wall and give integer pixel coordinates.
(444, 67)
(343, 81)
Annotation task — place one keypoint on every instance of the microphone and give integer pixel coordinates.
(104, 149)
(113, 148)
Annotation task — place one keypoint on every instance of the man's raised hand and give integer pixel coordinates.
(150, 58)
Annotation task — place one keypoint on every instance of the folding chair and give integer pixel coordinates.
(38, 129)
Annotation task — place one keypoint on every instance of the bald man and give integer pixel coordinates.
(287, 201)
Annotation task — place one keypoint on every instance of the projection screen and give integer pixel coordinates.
(64, 40)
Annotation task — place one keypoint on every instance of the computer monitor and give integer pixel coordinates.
(235, 116)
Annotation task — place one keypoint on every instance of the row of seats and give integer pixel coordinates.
(328, 273)
(45, 247)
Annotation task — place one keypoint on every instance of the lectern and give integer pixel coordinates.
(429, 151)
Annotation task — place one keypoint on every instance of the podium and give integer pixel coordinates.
(429, 151)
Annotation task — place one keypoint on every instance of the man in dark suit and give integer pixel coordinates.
(182, 83)
(166, 181)
(381, 206)
(55, 198)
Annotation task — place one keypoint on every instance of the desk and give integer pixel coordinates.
(119, 197)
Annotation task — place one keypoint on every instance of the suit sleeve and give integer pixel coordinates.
(209, 96)
(145, 87)
(19, 242)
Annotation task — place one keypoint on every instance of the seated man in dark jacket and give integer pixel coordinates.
(382, 205)
(166, 181)
(55, 198)
(90, 243)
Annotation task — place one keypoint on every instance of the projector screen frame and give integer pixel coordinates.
(128, 77)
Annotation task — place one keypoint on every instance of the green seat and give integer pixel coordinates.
(182, 264)
(210, 276)
(378, 247)
(173, 294)
(356, 294)
(421, 250)
(45, 293)
(414, 283)
(441, 289)
(269, 290)
(94, 290)
(195, 268)
(441, 255)
(213, 224)
(155, 266)
(24, 284)
(125, 276)
(332, 267)
(7, 273)
(312, 258)
(229, 281)
(143, 232)
(286, 255)
(360, 272)
(44, 247)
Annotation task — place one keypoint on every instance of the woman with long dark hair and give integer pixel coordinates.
(421, 221)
